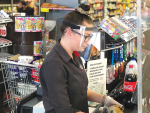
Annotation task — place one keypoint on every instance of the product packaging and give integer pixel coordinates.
(33, 24)
(28, 24)
(40, 24)
(131, 47)
(128, 48)
(1, 27)
(49, 45)
(22, 24)
(112, 62)
(110, 74)
(124, 52)
(116, 70)
(121, 54)
(4, 41)
(3, 30)
(18, 24)
(25, 59)
(3, 14)
(38, 48)
(47, 35)
(113, 72)
(109, 29)
(115, 54)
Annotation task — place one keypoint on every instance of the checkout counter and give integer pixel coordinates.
(35, 104)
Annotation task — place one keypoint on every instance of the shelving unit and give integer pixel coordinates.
(118, 7)
(4, 43)
(113, 8)
(8, 7)
(34, 4)
(5, 20)
(61, 9)
(97, 9)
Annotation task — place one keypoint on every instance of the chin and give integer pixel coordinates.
(81, 50)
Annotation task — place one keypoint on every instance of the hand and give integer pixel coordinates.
(109, 102)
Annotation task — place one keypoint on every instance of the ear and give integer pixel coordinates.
(68, 32)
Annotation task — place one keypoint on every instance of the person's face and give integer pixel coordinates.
(77, 39)
(20, 6)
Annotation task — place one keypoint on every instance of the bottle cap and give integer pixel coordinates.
(132, 59)
(130, 66)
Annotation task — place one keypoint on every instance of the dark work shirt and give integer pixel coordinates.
(64, 82)
(29, 11)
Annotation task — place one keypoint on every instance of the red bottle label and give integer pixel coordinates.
(129, 86)
(143, 40)
(4, 33)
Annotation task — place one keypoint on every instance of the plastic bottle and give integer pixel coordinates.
(135, 66)
(116, 70)
(126, 13)
(130, 81)
(133, 13)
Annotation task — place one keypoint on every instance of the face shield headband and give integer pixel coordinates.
(82, 29)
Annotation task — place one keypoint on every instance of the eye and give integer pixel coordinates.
(86, 36)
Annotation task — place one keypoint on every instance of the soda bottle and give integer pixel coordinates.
(130, 81)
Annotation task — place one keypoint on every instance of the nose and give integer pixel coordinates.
(88, 42)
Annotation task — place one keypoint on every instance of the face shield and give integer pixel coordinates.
(88, 37)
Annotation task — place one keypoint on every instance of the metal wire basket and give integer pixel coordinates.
(20, 80)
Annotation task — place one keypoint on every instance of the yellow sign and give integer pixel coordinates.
(44, 9)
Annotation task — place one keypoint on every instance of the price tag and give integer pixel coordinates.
(44, 9)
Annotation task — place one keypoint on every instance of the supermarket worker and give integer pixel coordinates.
(63, 79)
(23, 8)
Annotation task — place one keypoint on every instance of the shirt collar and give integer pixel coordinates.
(63, 54)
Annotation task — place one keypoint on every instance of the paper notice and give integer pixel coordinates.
(96, 71)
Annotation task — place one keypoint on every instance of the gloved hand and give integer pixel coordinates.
(108, 101)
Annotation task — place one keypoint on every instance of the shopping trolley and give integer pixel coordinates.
(20, 80)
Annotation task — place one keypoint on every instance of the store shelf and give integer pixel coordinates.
(128, 36)
(91, 3)
(29, 1)
(112, 8)
(98, 8)
(125, 3)
(5, 56)
(95, 2)
(99, 2)
(61, 9)
(131, 7)
(111, 48)
(5, 20)
(112, 14)
(98, 15)
(112, 1)
(119, 2)
(47, 9)
(37, 4)
(91, 12)
(5, 5)
(4, 43)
